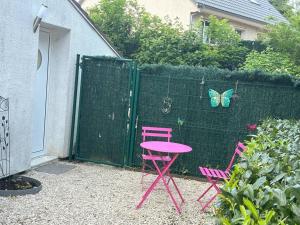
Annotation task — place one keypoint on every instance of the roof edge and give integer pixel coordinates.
(200, 5)
(237, 15)
(92, 25)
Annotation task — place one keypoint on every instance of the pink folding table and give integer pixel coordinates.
(173, 149)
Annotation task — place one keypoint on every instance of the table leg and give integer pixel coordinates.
(155, 181)
(171, 196)
(177, 189)
(161, 176)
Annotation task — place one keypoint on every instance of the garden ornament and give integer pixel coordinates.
(216, 98)
(167, 101)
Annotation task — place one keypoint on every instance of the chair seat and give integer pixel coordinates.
(156, 157)
(213, 173)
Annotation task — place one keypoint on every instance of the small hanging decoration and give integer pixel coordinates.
(167, 101)
(180, 121)
(235, 95)
(201, 88)
(216, 98)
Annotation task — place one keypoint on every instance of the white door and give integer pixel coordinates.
(40, 95)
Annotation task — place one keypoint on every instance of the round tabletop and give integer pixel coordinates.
(167, 147)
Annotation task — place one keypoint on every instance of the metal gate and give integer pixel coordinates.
(104, 110)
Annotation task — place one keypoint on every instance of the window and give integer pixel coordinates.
(205, 25)
(239, 31)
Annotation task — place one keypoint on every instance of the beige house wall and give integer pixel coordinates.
(173, 9)
(86, 4)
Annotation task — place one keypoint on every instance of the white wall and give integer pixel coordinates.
(70, 35)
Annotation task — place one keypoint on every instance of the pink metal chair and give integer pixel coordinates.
(160, 133)
(214, 175)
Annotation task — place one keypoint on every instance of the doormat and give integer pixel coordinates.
(55, 168)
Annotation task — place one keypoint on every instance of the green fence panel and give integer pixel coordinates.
(104, 103)
(211, 132)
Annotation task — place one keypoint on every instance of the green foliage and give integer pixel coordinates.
(162, 43)
(148, 39)
(270, 61)
(118, 19)
(220, 74)
(283, 7)
(285, 38)
(254, 45)
(264, 187)
(225, 50)
(221, 33)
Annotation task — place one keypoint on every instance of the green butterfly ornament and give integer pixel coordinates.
(216, 98)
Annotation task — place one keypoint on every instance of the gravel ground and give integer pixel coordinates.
(97, 194)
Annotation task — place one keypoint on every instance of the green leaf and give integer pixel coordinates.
(277, 178)
(243, 211)
(251, 207)
(280, 196)
(259, 182)
(269, 216)
(225, 221)
(296, 210)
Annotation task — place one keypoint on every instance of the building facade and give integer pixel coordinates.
(37, 71)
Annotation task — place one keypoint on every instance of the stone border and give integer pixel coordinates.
(37, 187)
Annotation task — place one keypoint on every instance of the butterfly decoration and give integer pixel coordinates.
(216, 98)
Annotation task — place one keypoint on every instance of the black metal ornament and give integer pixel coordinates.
(167, 101)
(4, 138)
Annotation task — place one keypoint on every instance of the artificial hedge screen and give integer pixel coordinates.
(176, 97)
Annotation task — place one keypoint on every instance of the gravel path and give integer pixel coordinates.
(97, 194)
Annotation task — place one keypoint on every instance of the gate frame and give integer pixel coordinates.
(129, 139)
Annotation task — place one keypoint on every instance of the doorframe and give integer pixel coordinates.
(44, 151)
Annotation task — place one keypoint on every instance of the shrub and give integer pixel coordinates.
(285, 38)
(264, 187)
(270, 61)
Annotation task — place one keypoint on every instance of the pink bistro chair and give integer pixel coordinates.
(160, 133)
(214, 175)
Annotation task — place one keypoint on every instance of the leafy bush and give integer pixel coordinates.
(119, 20)
(167, 43)
(285, 38)
(264, 187)
(254, 45)
(220, 32)
(270, 61)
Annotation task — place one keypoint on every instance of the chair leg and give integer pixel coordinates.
(213, 185)
(207, 203)
(202, 195)
(143, 174)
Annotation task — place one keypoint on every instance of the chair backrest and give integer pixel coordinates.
(159, 132)
(240, 148)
